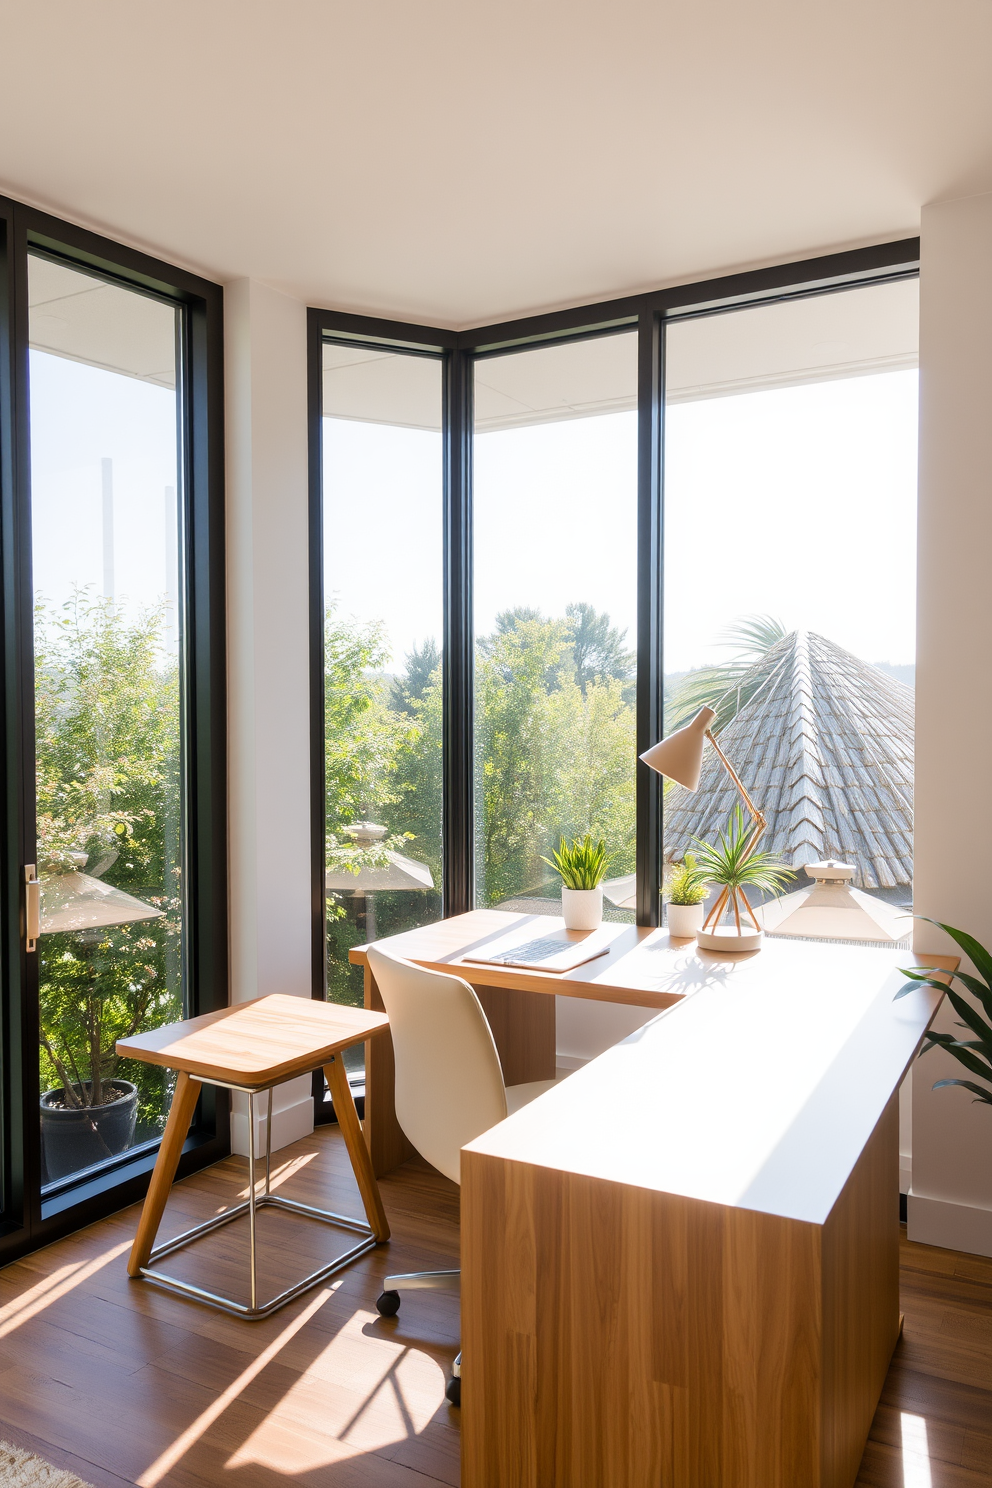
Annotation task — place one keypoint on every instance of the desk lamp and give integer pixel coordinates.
(680, 758)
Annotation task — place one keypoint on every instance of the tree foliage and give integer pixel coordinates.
(107, 721)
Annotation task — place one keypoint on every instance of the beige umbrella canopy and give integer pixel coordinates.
(77, 901)
(398, 872)
(621, 891)
(831, 909)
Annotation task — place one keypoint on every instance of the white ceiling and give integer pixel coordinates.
(457, 161)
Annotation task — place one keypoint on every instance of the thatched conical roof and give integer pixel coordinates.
(825, 747)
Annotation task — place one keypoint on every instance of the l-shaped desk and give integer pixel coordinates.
(680, 1266)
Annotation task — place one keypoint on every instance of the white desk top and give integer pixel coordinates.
(760, 1089)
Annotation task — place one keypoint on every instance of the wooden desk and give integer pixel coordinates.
(253, 1046)
(643, 967)
(680, 1266)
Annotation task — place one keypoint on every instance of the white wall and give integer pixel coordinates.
(268, 647)
(950, 1202)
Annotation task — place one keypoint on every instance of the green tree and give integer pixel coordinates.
(107, 725)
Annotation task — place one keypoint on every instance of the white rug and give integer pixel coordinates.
(24, 1470)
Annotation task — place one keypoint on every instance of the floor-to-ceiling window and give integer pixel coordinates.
(555, 589)
(382, 674)
(107, 532)
(113, 890)
(789, 582)
(679, 497)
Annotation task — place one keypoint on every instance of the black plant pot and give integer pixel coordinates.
(77, 1137)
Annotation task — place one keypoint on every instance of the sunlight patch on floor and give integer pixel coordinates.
(45, 1292)
(174, 1453)
(395, 1392)
(915, 1452)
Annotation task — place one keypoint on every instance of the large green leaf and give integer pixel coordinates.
(983, 1095)
(976, 953)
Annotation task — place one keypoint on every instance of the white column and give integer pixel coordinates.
(950, 1202)
(268, 645)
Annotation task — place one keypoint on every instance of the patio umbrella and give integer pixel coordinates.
(397, 873)
(832, 909)
(77, 901)
(621, 891)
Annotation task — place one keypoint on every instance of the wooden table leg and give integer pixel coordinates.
(184, 1100)
(388, 1147)
(354, 1140)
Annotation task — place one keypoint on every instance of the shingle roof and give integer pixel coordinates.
(825, 748)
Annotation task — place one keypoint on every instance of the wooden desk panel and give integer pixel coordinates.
(680, 1265)
(645, 968)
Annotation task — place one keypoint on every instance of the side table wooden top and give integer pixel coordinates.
(256, 1044)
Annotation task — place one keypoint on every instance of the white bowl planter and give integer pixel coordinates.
(582, 909)
(684, 920)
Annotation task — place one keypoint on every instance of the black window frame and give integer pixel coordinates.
(649, 314)
(28, 1218)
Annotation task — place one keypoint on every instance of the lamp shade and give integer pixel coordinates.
(680, 756)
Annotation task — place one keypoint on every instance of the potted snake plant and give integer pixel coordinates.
(581, 864)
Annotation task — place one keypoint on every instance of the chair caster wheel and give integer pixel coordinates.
(388, 1303)
(453, 1393)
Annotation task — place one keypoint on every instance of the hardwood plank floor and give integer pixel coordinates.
(127, 1385)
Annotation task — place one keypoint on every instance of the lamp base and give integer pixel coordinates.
(729, 938)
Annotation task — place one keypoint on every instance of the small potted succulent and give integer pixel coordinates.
(685, 890)
(581, 865)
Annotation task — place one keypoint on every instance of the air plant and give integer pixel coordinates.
(733, 866)
(975, 1054)
(581, 863)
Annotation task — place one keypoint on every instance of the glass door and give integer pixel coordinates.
(107, 899)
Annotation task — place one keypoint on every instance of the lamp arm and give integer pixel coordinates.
(758, 815)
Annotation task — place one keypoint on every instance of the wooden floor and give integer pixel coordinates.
(125, 1384)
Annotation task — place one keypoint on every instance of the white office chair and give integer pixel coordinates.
(449, 1086)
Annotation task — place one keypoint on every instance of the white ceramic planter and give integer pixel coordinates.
(729, 939)
(582, 909)
(684, 920)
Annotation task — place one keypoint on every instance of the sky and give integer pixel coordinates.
(797, 502)
(81, 415)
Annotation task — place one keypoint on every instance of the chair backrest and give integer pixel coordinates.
(449, 1082)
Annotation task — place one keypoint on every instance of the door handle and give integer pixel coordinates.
(32, 906)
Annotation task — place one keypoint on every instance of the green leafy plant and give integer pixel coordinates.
(108, 794)
(974, 1053)
(581, 863)
(734, 867)
(685, 882)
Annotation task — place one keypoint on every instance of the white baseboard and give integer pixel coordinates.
(288, 1125)
(905, 1172)
(953, 1226)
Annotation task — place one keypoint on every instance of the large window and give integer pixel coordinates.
(790, 530)
(699, 494)
(108, 626)
(382, 641)
(113, 878)
(555, 506)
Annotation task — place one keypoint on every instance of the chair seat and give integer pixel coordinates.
(522, 1095)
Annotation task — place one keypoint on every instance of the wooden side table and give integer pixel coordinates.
(253, 1047)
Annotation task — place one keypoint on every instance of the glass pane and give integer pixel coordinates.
(382, 483)
(555, 616)
(790, 530)
(106, 539)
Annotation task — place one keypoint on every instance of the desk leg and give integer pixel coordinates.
(354, 1140)
(387, 1145)
(184, 1101)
